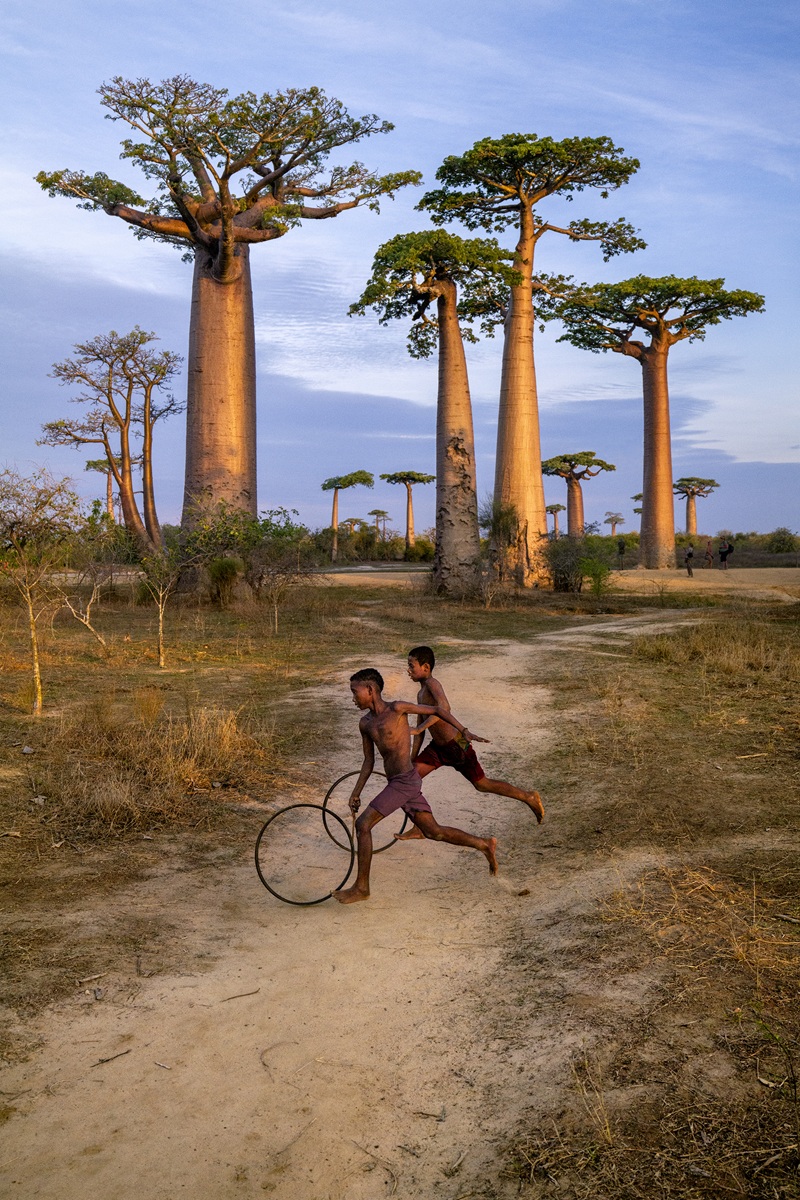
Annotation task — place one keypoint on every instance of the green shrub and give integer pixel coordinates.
(422, 551)
(782, 541)
(222, 575)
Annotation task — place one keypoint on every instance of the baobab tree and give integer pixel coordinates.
(101, 465)
(500, 183)
(228, 173)
(691, 487)
(614, 519)
(463, 281)
(409, 478)
(381, 517)
(122, 380)
(340, 483)
(554, 510)
(638, 498)
(612, 316)
(575, 468)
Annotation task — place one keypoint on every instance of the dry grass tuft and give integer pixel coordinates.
(736, 648)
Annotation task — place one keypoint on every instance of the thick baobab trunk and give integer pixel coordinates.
(410, 539)
(221, 395)
(657, 539)
(455, 566)
(575, 521)
(335, 525)
(691, 516)
(518, 466)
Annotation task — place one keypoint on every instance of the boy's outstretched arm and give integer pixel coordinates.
(366, 770)
(444, 714)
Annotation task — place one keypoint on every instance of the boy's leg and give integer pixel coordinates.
(499, 788)
(430, 828)
(360, 889)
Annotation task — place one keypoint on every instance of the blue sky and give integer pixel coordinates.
(704, 93)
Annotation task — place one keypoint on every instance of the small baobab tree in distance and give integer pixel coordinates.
(462, 281)
(663, 311)
(228, 173)
(614, 519)
(120, 380)
(409, 478)
(38, 519)
(575, 468)
(101, 465)
(691, 487)
(554, 510)
(498, 184)
(340, 483)
(381, 517)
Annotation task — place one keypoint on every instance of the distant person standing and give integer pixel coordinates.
(621, 553)
(688, 559)
(709, 554)
(724, 551)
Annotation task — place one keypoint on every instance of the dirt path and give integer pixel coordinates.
(335, 1054)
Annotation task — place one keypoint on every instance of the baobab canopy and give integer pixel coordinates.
(227, 173)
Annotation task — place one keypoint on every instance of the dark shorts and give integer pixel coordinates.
(402, 791)
(452, 754)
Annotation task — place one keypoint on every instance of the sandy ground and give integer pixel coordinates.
(329, 1053)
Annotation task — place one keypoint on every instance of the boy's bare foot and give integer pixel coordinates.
(490, 854)
(410, 836)
(351, 895)
(534, 802)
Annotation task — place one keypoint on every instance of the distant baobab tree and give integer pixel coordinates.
(691, 487)
(123, 381)
(614, 519)
(228, 174)
(101, 465)
(499, 184)
(409, 478)
(608, 316)
(339, 483)
(637, 497)
(575, 468)
(462, 281)
(381, 517)
(554, 510)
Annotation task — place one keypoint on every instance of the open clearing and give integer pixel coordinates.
(456, 1036)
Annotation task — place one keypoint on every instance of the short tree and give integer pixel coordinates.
(691, 487)
(615, 316)
(339, 483)
(574, 468)
(614, 519)
(38, 517)
(408, 479)
(228, 173)
(381, 517)
(554, 510)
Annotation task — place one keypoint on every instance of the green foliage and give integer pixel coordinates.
(257, 160)
(487, 186)
(406, 477)
(691, 485)
(572, 560)
(583, 465)
(354, 479)
(412, 270)
(222, 574)
(606, 316)
(782, 541)
(423, 550)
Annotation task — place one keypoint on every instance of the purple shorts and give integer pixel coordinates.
(401, 791)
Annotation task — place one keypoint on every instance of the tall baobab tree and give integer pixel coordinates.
(228, 173)
(614, 519)
(462, 281)
(381, 517)
(340, 483)
(616, 317)
(122, 380)
(575, 468)
(691, 487)
(497, 184)
(409, 478)
(554, 510)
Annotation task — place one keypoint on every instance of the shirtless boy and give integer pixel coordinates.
(385, 725)
(447, 748)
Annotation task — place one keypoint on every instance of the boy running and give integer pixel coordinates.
(385, 725)
(447, 747)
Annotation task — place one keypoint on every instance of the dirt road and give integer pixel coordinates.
(388, 1048)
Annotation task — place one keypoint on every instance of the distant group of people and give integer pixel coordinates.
(725, 551)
